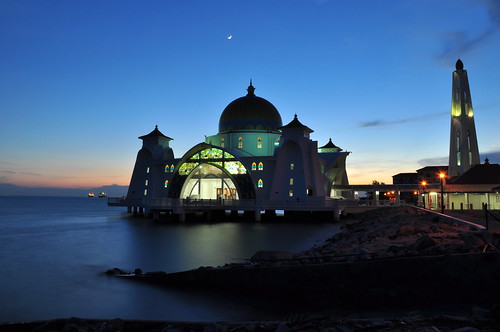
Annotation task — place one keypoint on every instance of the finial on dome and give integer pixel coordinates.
(250, 89)
(295, 116)
(487, 161)
(459, 65)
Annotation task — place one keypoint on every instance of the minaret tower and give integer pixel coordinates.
(464, 152)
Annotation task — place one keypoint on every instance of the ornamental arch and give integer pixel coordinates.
(209, 172)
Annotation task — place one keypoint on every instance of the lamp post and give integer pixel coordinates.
(423, 183)
(441, 177)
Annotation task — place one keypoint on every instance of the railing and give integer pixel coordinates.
(248, 204)
(486, 213)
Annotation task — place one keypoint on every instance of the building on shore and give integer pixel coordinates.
(253, 163)
(465, 183)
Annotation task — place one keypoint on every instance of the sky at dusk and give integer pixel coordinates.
(81, 80)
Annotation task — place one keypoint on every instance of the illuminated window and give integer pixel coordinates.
(259, 143)
(254, 166)
(458, 149)
(146, 183)
(290, 193)
(187, 168)
(167, 168)
(260, 183)
(291, 181)
(221, 142)
(261, 166)
(234, 167)
(172, 167)
(147, 169)
(166, 183)
(292, 166)
(145, 192)
(240, 143)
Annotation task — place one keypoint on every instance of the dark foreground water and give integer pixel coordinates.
(54, 252)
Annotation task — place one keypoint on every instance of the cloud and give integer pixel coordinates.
(456, 44)
(380, 123)
(8, 172)
(493, 158)
(437, 161)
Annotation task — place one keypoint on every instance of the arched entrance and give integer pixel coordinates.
(207, 181)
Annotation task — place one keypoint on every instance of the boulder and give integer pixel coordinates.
(267, 255)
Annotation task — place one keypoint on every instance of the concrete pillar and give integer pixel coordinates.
(156, 215)
(257, 215)
(208, 215)
(336, 215)
(182, 216)
(134, 210)
(129, 209)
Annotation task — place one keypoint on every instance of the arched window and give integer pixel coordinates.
(167, 168)
(146, 182)
(259, 143)
(166, 183)
(261, 166)
(222, 142)
(290, 193)
(254, 166)
(291, 181)
(147, 169)
(240, 143)
(172, 167)
(260, 183)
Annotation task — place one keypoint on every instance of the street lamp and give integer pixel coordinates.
(441, 177)
(423, 183)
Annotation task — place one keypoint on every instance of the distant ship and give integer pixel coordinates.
(91, 194)
(102, 194)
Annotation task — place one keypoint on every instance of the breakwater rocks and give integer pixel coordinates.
(400, 232)
(389, 257)
(485, 321)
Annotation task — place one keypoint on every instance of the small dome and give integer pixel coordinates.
(459, 65)
(250, 113)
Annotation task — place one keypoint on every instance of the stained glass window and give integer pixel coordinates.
(172, 167)
(217, 163)
(167, 168)
(240, 143)
(227, 155)
(187, 168)
(259, 143)
(290, 193)
(260, 183)
(211, 153)
(235, 167)
(166, 183)
(222, 142)
(254, 166)
(261, 166)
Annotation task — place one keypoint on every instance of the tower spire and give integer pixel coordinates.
(464, 151)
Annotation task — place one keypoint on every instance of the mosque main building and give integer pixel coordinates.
(253, 163)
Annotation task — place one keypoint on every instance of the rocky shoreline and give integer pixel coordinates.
(406, 255)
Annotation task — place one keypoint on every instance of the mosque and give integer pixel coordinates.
(254, 163)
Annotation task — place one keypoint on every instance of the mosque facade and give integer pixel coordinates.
(252, 158)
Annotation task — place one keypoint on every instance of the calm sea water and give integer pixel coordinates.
(54, 252)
